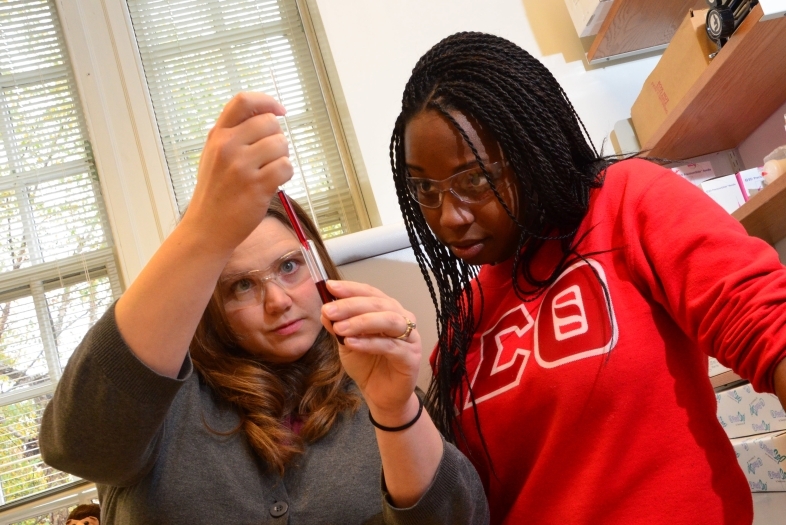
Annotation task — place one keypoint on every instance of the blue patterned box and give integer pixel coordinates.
(744, 412)
(763, 460)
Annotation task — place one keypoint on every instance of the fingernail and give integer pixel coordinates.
(329, 310)
(340, 326)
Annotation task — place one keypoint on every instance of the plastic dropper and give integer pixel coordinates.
(307, 246)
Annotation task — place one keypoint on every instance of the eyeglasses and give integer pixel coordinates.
(470, 186)
(246, 289)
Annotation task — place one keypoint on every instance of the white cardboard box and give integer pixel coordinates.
(762, 458)
(726, 191)
(744, 412)
(752, 180)
(696, 173)
(721, 376)
(588, 15)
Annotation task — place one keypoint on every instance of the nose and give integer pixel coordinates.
(276, 299)
(453, 213)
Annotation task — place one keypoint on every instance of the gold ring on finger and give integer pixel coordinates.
(410, 326)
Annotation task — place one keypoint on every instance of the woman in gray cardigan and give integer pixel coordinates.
(215, 393)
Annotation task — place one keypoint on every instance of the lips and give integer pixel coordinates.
(467, 249)
(465, 243)
(288, 328)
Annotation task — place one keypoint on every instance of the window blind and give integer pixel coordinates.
(196, 54)
(57, 270)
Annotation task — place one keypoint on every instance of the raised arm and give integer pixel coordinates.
(725, 289)
(107, 413)
(244, 161)
(381, 352)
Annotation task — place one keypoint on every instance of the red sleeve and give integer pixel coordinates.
(725, 289)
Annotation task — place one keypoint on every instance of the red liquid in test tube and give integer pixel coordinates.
(310, 254)
(301, 236)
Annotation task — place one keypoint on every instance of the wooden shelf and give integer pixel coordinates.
(636, 25)
(764, 215)
(743, 85)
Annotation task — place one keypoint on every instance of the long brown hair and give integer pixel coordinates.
(314, 388)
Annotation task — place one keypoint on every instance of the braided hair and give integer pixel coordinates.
(546, 144)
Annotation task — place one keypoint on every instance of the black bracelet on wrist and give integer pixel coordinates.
(402, 427)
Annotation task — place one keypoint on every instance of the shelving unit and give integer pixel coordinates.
(764, 215)
(633, 26)
(743, 85)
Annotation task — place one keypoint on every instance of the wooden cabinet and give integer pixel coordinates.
(639, 25)
(743, 85)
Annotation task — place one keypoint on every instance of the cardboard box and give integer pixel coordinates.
(744, 412)
(588, 15)
(685, 59)
(696, 173)
(752, 180)
(720, 376)
(762, 460)
(726, 191)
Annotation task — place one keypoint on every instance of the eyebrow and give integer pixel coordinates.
(461, 167)
(229, 276)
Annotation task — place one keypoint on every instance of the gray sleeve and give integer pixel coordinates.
(455, 496)
(106, 418)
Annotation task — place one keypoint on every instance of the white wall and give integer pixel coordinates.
(375, 45)
(768, 136)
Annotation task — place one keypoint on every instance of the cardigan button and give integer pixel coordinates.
(278, 509)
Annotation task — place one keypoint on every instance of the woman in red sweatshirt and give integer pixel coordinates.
(577, 300)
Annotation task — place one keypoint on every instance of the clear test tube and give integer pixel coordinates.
(317, 270)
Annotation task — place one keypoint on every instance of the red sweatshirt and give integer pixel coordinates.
(601, 412)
